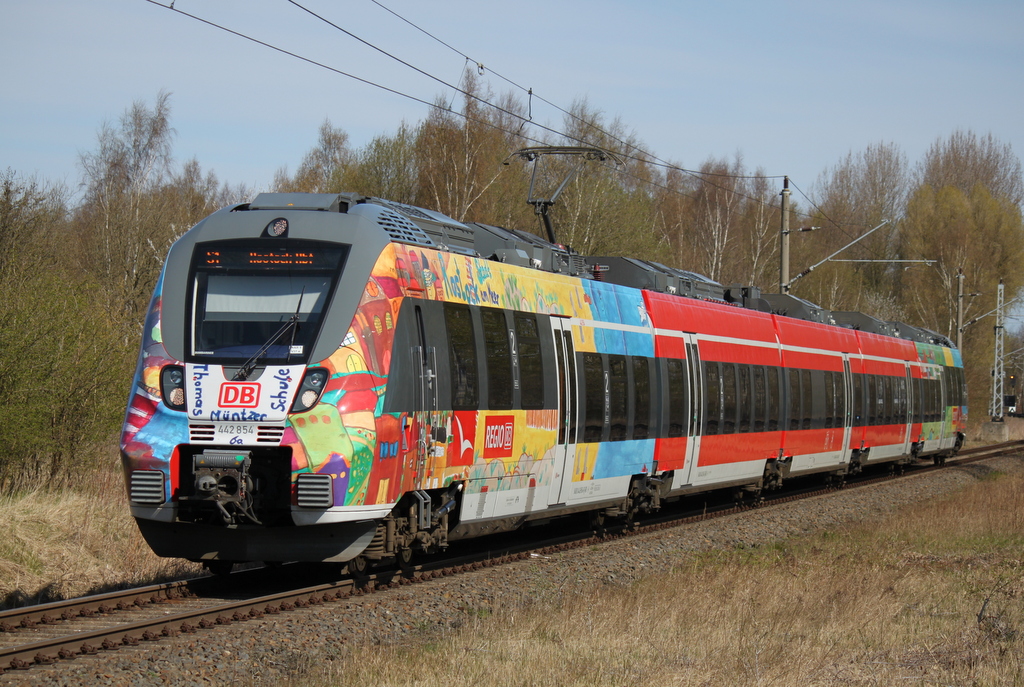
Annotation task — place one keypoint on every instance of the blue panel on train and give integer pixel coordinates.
(618, 458)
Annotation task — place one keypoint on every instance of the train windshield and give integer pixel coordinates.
(260, 299)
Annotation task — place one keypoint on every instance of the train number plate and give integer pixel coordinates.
(235, 430)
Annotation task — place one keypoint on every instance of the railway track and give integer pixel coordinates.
(48, 633)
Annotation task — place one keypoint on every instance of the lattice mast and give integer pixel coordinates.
(996, 406)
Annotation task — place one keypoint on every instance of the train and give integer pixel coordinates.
(345, 379)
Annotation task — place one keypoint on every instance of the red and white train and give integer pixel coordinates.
(343, 378)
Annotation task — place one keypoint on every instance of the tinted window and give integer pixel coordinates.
(531, 365)
(499, 359)
(461, 356)
(774, 404)
(743, 378)
(676, 398)
(728, 398)
(794, 399)
(713, 399)
(642, 394)
(617, 402)
(593, 377)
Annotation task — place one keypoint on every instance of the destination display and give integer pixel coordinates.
(306, 255)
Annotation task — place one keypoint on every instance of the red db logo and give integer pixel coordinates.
(239, 395)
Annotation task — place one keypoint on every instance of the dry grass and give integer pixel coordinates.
(73, 540)
(931, 596)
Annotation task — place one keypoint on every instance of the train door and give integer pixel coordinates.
(847, 413)
(565, 449)
(694, 413)
(943, 406)
(906, 414)
(424, 361)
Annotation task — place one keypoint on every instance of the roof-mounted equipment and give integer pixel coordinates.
(542, 205)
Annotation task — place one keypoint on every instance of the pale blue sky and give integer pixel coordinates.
(792, 85)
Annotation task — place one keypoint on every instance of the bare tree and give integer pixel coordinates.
(388, 167)
(323, 167)
(965, 159)
(123, 243)
(460, 154)
(851, 198)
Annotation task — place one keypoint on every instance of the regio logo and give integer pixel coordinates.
(499, 435)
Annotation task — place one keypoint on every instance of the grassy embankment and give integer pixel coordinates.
(931, 595)
(73, 539)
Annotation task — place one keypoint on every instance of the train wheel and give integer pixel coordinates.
(405, 560)
(359, 567)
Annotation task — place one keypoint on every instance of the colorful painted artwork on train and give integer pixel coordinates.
(373, 456)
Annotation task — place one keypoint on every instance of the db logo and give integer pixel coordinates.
(499, 433)
(239, 395)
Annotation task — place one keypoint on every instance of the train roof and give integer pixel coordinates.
(414, 225)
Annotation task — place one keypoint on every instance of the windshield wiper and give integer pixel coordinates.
(293, 324)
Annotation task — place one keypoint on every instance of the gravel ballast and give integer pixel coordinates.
(272, 648)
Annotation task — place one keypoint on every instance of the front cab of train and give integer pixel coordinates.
(251, 303)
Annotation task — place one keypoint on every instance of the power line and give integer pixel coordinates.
(647, 159)
(653, 159)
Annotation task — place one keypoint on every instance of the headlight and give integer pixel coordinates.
(313, 384)
(172, 386)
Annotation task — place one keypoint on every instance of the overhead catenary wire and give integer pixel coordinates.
(653, 159)
(646, 158)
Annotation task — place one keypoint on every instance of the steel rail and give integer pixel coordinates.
(129, 634)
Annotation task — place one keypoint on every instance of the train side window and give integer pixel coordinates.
(462, 356)
(593, 379)
(858, 400)
(642, 398)
(531, 363)
(570, 355)
(713, 399)
(617, 401)
(922, 400)
(774, 404)
(562, 409)
(807, 397)
(890, 400)
(883, 391)
(915, 399)
(794, 398)
(900, 400)
(840, 379)
(760, 398)
(676, 398)
(743, 377)
(499, 359)
(930, 402)
(878, 389)
(830, 398)
(728, 398)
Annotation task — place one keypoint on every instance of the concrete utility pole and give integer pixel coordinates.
(960, 308)
(784, 249)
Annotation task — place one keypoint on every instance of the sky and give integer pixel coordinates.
(791, 86)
